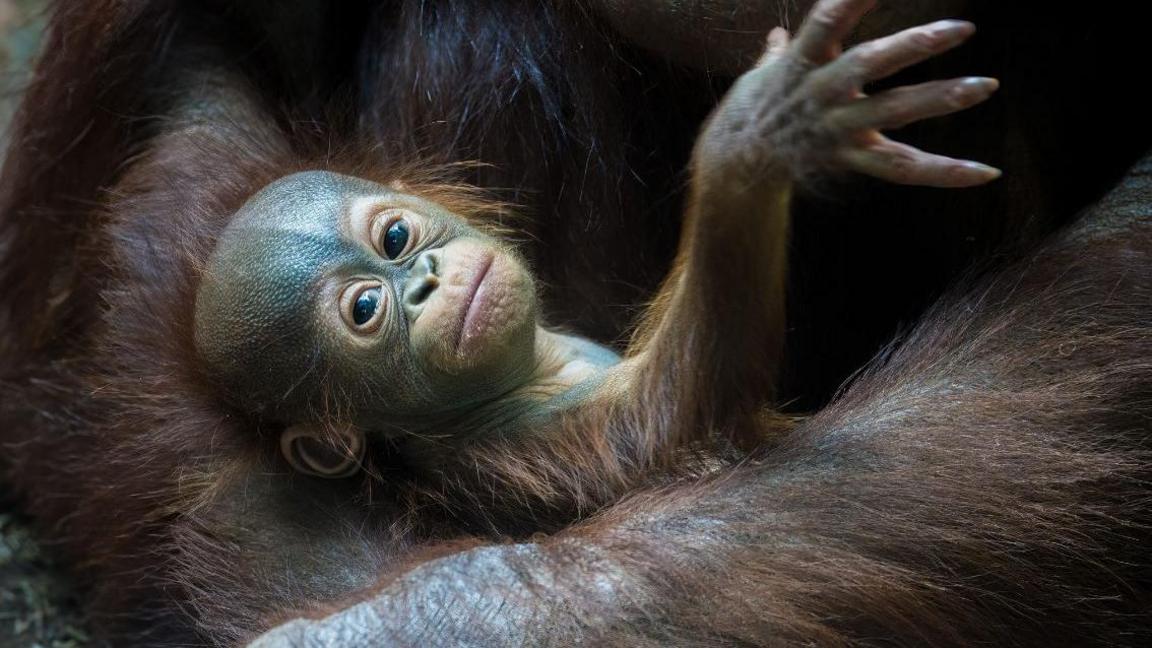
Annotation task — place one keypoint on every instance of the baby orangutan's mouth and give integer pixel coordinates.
(477, 309)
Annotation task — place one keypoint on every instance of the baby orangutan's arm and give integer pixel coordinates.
(706, 356)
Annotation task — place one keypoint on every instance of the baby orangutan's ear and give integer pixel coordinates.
(323, 451)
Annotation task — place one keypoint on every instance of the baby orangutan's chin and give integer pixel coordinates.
(483, 316)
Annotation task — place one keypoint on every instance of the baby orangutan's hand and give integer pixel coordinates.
(801, 110)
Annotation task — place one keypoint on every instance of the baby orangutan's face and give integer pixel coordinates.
(326, 289)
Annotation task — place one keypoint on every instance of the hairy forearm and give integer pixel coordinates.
(710, 346)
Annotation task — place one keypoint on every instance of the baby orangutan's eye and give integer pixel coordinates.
(395, 239)
(363, 306)
(394, 233)
(366, 306)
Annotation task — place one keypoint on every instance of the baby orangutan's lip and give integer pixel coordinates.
(476, 312)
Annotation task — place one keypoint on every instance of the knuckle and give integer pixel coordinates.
(821, 134)
(826, 17)
(901, 166)
(797, 65)
(835, 122)
(867, 56)
(923, 40)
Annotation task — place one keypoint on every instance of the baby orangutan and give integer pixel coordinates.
(352, 313)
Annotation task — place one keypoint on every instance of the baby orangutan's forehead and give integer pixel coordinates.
(255, 304)
(285, 236)
(308, 200)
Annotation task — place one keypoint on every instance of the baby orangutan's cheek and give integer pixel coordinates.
(482, 317)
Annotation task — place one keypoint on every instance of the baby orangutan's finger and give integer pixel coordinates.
(901, 106)
(903, 164)
(778, 41)
(826, 27)
(885, 56)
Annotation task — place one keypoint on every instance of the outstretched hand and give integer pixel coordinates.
(801, 110)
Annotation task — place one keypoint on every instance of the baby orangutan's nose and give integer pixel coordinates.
(423, 280)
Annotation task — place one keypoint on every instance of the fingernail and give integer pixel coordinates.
(983, 169)
(950, 28)
(985, 84)
(974, 89)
